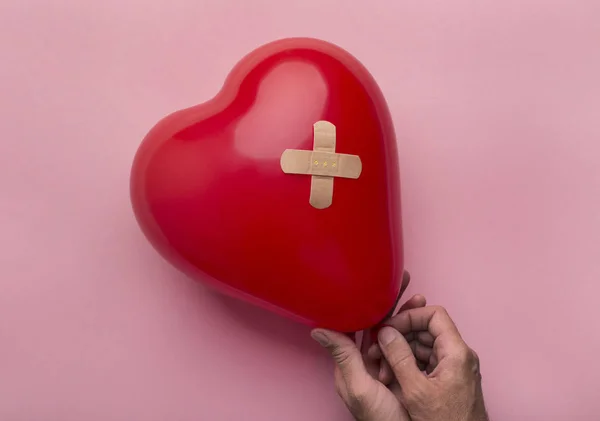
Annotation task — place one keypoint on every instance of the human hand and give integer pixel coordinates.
(395, 388)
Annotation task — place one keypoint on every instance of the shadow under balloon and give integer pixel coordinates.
(270, 326)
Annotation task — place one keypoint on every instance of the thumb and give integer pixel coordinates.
(400, 357)
(345, 354)
(359, 391)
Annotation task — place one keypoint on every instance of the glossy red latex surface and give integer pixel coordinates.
(209, 193)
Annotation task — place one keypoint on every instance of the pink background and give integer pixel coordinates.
(497, 109)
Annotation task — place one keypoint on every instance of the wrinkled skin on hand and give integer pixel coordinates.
(419, 369)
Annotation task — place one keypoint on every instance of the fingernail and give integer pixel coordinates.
(320, 338)
(387, 335)
(375, 331)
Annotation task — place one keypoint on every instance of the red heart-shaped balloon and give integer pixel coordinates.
(210, 194)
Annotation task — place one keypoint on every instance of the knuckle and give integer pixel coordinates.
(342, 358)
(357, 394)
(441, 310)
(401, 359)
(440, 313)
(474, 357)
(468, 359)
(474, 362)
(357, 399)
(340, 355)
(464, 354)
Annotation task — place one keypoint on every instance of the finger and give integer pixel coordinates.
(434, 320)
(433, 362)
(423, 337)
(386, 375)
(357, 388)
(367, 340)
(421, 352)
(372, 364)
(400, 357)
(415, 301)
(374, 352)
(344, 352)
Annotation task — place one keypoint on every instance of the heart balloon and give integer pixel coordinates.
(283, 190)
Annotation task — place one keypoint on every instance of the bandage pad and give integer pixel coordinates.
(322, 163)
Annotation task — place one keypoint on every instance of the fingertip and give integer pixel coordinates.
(416, 301)
(374, 352)
(320, 335)
(420, 300)
(387, 335)
(330, 338)
(318, 330)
